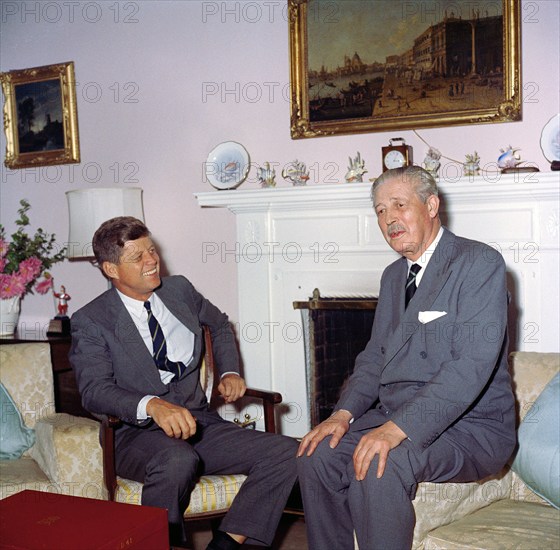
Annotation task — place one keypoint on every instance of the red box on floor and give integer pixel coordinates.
(34, 520)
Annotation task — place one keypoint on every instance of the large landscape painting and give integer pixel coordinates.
(383, 64)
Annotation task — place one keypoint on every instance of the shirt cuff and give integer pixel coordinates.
(229, 372)
(141, 413)
(345, 410)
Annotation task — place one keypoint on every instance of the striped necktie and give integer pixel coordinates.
(410, 288)
(160, 346)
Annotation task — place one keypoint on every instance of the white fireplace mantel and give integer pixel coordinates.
(291, 240)
(479, 189)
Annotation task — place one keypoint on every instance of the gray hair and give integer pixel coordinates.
(424, 183)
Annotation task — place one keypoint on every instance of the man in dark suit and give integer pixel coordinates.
(170, 437)
(430, 398)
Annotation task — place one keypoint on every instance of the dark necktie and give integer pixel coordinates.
(160, 346)
(410, 288)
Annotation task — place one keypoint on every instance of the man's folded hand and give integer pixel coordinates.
(175, 421)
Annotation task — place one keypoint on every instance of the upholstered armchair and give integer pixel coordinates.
(54, 452)
(212, 495)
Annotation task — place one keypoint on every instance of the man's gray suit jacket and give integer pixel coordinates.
(114, 368)
(447, 377)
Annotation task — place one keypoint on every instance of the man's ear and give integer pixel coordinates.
(110, 270)
(433, 205)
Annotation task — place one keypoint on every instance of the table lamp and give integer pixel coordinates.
(88, 209)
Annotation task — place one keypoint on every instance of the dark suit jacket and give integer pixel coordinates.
(114, 368)
(448, 377)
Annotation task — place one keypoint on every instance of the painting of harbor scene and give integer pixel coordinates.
(379, 61)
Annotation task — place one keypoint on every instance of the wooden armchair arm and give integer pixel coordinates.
(269, 399)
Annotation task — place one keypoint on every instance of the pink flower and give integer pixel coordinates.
(4, 279)
(30, 268)
(2, 265)
(42, 287)
(11, 285)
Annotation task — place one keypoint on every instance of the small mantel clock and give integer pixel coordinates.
(396, 154)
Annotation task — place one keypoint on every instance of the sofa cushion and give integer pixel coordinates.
(15, 436)
(437, 504)
(538, 458)
(18, 475)
(503, 524)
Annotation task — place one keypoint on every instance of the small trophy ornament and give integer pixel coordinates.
(60, 325)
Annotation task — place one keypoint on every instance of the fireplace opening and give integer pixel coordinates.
(336, 330)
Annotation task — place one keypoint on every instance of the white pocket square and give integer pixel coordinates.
(427, 316)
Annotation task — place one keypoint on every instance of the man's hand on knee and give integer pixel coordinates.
(378, 441)
(336, 426)
(175, 421)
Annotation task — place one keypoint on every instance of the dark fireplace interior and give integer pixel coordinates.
(337, 330)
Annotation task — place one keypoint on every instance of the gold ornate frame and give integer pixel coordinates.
(66, 149)
(507, 109)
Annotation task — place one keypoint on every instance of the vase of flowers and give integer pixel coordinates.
(23, 267)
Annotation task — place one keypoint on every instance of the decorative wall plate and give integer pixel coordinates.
(227, 165)
(550, 139)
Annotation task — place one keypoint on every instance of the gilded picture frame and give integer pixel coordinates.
(40, 116)
(380, 65)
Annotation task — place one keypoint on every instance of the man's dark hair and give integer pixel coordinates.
(110, 237)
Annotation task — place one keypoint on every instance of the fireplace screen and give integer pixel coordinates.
(336, 330)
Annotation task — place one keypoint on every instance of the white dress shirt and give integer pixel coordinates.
(178, 338)
(425, 257)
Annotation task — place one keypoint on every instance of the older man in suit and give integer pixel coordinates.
(124, 367)
(430, 398)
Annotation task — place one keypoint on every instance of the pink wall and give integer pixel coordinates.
(202, 73)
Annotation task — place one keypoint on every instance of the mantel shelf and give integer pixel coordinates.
(480, 189)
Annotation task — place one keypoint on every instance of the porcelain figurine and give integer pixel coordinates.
(471, 166)
(296, 172)
(266, 175)
(509, 157)
(356, 169)
(432, 163)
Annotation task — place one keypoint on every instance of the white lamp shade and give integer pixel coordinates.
(89, 208)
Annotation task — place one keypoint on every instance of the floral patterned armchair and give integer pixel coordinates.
(66, 456)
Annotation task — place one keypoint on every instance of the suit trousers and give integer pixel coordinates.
(169, 469)
(380, 511)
